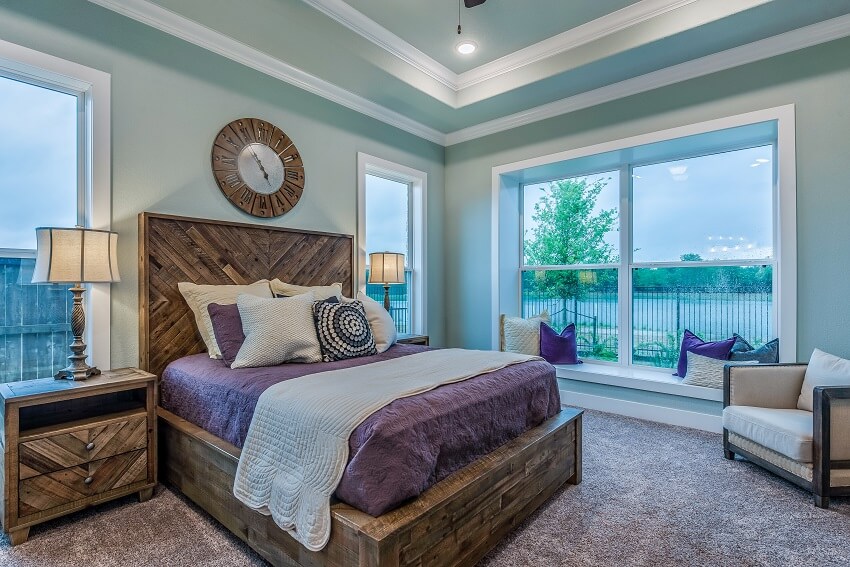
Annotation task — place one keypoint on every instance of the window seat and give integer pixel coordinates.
(662, 382)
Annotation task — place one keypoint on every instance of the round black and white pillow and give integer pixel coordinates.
(343, 330)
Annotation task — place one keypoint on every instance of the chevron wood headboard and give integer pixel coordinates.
(176, 249)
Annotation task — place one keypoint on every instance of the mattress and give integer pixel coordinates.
(399, 451)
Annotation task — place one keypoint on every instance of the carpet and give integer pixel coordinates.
(652, 495)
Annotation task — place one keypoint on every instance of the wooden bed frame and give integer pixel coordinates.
(455, 522)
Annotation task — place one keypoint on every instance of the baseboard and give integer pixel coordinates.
(661, 414)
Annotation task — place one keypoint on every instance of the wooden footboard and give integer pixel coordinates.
(454, 523)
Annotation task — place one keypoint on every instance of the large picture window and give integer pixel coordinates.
(637, 244)
(54, 171)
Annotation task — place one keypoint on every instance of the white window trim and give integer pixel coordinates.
(504, 183)
(94, 87)
(417, 261)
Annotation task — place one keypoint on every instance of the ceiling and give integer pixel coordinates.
(395, 59)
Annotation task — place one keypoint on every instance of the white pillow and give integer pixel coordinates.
(277, 330)
(708, 372)
(522, 335)
(383, 326)
(198, 297)
(824, 369)
(320, 292)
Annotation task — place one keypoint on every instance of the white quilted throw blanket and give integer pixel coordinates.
(297, 446)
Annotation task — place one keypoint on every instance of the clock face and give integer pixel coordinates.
(257, 167)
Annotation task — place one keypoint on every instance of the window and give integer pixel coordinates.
(392, 220)
(636, 242)
(48, 176)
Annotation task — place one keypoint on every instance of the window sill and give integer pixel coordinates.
(637, 379)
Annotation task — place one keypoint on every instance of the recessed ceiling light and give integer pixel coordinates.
(762, 160)
(466, 47)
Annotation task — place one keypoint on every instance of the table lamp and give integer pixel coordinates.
(76, 256)
(386, 268)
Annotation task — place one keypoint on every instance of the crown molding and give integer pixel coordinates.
(593, 30)
(179, 26)
(361, 24)
(787, 42)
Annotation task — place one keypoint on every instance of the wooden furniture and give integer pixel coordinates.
(413, 340)
(68, 445)
(455, 522)
(771, 390)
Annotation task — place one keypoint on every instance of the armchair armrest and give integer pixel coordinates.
(831, 434)
(763, 385)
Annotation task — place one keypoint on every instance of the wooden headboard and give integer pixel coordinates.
(176, 249)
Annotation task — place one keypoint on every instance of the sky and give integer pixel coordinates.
(38, 161)
(719, 206)
(386, 216)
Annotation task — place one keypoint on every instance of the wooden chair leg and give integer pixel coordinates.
(729, 454)
(821, 501)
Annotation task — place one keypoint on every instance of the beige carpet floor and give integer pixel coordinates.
(652, 495)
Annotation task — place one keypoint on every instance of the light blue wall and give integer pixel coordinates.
(170, 98)
(816, 80)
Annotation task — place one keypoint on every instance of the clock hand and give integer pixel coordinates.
(259, 163)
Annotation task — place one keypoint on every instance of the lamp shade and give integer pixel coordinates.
(386, 267)
(72, 255)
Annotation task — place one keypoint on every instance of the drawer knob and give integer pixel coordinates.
(88, 480)
(90, 446)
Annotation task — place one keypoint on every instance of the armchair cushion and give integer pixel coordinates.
(824, 370)
(786, 431)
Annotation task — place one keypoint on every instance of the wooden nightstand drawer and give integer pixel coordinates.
(52, 449)
(45, 492)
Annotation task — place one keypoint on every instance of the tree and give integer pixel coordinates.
(568, 233)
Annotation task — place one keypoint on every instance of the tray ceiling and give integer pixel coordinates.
(393, 59)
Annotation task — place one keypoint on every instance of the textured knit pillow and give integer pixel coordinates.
(343, 330)
(283, 289)
(198, 297)
(824, 369)
(743, 350)
(277, 330)
(707, 372)
(521, 335)
(692, 343)
(559, 348)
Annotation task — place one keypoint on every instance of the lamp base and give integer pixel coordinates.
(78, 373)
(77, 369)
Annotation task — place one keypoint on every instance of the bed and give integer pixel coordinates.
(454, 522)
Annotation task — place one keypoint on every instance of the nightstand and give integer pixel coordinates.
(413, 340)
(70, 445)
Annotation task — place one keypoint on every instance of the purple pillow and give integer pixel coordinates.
(559, 349)
(692, 343)
(227, 328)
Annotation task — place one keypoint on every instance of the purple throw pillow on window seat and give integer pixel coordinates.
(559, 348)
(227, 328)
(692, 343)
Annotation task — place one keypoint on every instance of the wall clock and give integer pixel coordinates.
(258, 167)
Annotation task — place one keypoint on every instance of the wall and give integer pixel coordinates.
(816, 80)
(170, 98)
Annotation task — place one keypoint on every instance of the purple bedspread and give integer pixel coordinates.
(400, 450)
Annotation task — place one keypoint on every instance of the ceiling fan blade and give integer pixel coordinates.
(473, 3)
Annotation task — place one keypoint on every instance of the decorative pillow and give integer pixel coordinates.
(707, 372)
(743, 350)
(227, 328)
(283, 289)
(824, 369)
(277, 330)
(692, 343)
(343, 330)
(198, 297)
(383, 326)
(559, 348)
(521, 335)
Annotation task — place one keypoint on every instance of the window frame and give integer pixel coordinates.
(783, 261)
(92, 88)
(416, 260)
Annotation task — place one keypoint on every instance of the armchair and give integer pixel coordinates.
(761, 422)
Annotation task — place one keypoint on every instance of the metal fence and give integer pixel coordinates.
(659, 317)
(400, 301)
(35, 328)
